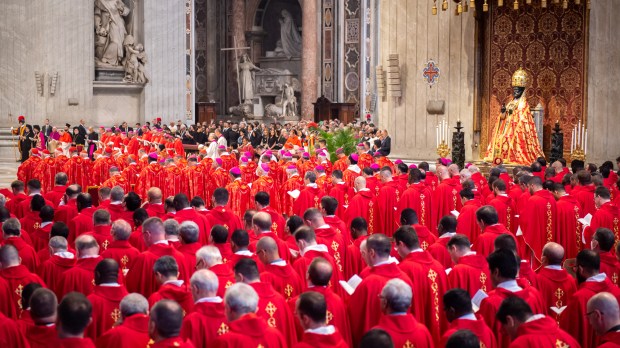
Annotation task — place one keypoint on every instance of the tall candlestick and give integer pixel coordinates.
(585, 143)
(572, 142)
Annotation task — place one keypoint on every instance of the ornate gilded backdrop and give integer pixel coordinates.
(551, 45)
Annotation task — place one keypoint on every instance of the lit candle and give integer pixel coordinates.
(437, 133)
(583, 130)
(585, 143)
(572, 142)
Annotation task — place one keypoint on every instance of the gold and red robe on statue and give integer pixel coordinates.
(250, 330)
(273, 308)
(141, 278)
(538, 222)
(446, 198)
(478, 327)
(309, 197)
(568, 229)
(105, 301)
(543, 333)
(239, 197)
(406, 331)
(574, 318)
(387, 205)
(132, 332)
(363, 204)
(430, 282)
(490, 305)
(17, 277)
(418, 197)
(287, 201)
(343, 195)
(365, 305)
(471, 273)
(556, 286)
(283, 278)
(206, 323)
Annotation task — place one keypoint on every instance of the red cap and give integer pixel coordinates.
(108, 150)
(21, 118)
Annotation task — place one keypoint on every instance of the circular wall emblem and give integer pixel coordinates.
(352, 81)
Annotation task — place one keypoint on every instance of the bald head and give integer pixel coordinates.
(267, 244)
(154, 194)
(9, 256)
(360, 183)
(554, 253)
(86, 245)
(319, 272)
(605, 313)
(442, 172)
(454, 169)
(261, 222)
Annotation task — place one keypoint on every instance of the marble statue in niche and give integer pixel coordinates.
(246, 78)
(110, 31)
(134, 62)
(289, 35)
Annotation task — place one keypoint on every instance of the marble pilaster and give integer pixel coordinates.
(309, 67)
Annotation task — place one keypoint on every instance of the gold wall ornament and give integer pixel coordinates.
(465, 6)
(528, 2)
(565, 4)
(459, 8)
(515, 5)
(519, 78)
(485, 6)
(556, 1)
(472, 3)
(500, 3)
(577, 2)
(434, 10)
(444, 5)
(443, 150)
(543, 3)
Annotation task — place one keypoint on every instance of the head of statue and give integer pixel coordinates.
(519, 82)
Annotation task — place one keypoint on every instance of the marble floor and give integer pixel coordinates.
(8, 171)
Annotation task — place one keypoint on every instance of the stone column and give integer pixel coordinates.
(309, 70)
(238, 23)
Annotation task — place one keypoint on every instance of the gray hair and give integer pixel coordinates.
(171, 227)
(398, 295)
(121, 229)
(189, 231)
(205, 280)
(84, 242)
(101, 217)
(12, 227)
(241, 298)
(210, 255)
(133, 303)
(117, 194)
(153, 225)
(310, 176)
(58, 243)
(2, 200)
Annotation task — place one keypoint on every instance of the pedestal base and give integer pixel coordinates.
(112, 74)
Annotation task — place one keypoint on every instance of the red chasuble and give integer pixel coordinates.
(610, 340)
(266, 184)
(153, 175)
(471, 273)
(373, 184)
(106, 312)
(52, 269)
(225, 277)
(418, 198)
(10, 335)
(122, 252)
(284, 280)
(239, 197)
(610, 265)
(387, 206)
(556, 286)
(41, 336)
(354, 264)
(477, 327)
(205, 323)
(466, 222)
(118, 180)
(55, 195)
(608, 216)
(343, 195)
(140, 277)
(67, 212)
(17, 278)
(196, 178)
(283, 251)
(40, 238)
(309, 197)
(250, 331)
(543, 333)
(431, 181)
(429, 284)
(81, 223)
(485, 243)
(24, 171)
(313, 340)
(337, 314)
(80, 278)
(335, 244)
(538, 222)
(175, 342)
(446, 198)
(339, 226)
(363, 204)
(406, 331)
(273, 308)
(287, 201)
(171, 291)
(175, 181)
(226, 217)
(189, 214)
(505, 207)
(101, 170)
(490, 305)
(350, 174)
(425, 237)
(364, 304)
(439, 250)
(568, 229)
(302, 263)
(45, 171)
(574, 319)
(585, 197)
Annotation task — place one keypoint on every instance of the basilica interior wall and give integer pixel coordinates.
(408, 28)
(52, 37)
(603, 88)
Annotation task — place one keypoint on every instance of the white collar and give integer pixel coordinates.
(447, 235)
(323, 330)
(364, 189)
(116, 203)
(418, 250)
(470, 253)
(470, 316)
(43, 224)
(244, 253)
(161, 242)
(554, 267)
(177, 282)
(386, 262)
(535, 317)
(110, 285)
(215, 299)
(313, 185)
(323, 227)
(354, 168)
(65, 255)
(89, 257)
(280, 263)
(597, 278)
(510, 285)
(317, 247)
